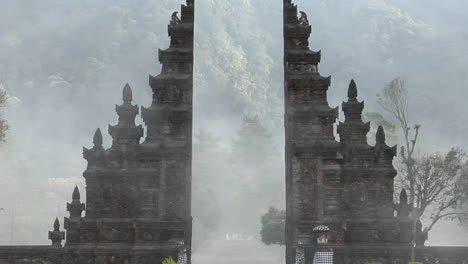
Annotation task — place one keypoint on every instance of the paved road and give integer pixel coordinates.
(238, 252)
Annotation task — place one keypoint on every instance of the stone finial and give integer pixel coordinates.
(175, 18)
(96, 155)
(303, 20)
(56, 235)
(353, 129)
(75, 207)
(352, 90)
(380, 136)
(56, 224)
(403, 210)
(126, 132)
(403, 197)
(127, 94)
(97, 139)
(76, 194)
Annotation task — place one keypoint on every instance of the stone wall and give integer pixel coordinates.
(29, 254)
(84, 255)
(395, 254)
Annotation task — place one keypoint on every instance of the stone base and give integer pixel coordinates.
(102, 254)
(391, 254)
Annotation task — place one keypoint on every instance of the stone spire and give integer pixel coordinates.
(127, 94)
(403, 210)
(56, 236)
(310, 140)
(75, 207)
(172, 88)
(167, 148)
(97, 139)
(305, 89)
(73, 223)
(403, 197)
(353, 108)
(96, 155)
(352, 91)
(380, 138)
(353, 130)
(126, 133)
(76, 194)
(383, 153)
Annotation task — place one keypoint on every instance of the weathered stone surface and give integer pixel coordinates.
(138, 194)
(395, 254)
(345, 185)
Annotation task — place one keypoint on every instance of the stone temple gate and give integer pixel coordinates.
(346, 186)
(138, 195)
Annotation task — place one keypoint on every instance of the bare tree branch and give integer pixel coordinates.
(395, 101)
(3, 103)
(439, 217)
(437, 183)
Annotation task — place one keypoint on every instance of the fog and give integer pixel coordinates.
(64, 65)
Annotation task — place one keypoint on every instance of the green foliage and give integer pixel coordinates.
(169, 261)
(377, 119)
(273, 226)
(413, 258)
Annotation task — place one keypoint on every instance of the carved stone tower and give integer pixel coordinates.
(312, 154)
(139, 195)
(367, 179)
(346, 185)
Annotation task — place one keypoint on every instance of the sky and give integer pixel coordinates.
(64, 65)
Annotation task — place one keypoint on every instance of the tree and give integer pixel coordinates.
(3, 102)
(273, 226)
(169, 261)
(253, 145)
(395, 101)
(440, 186)
(437, 183)
(256, 176)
